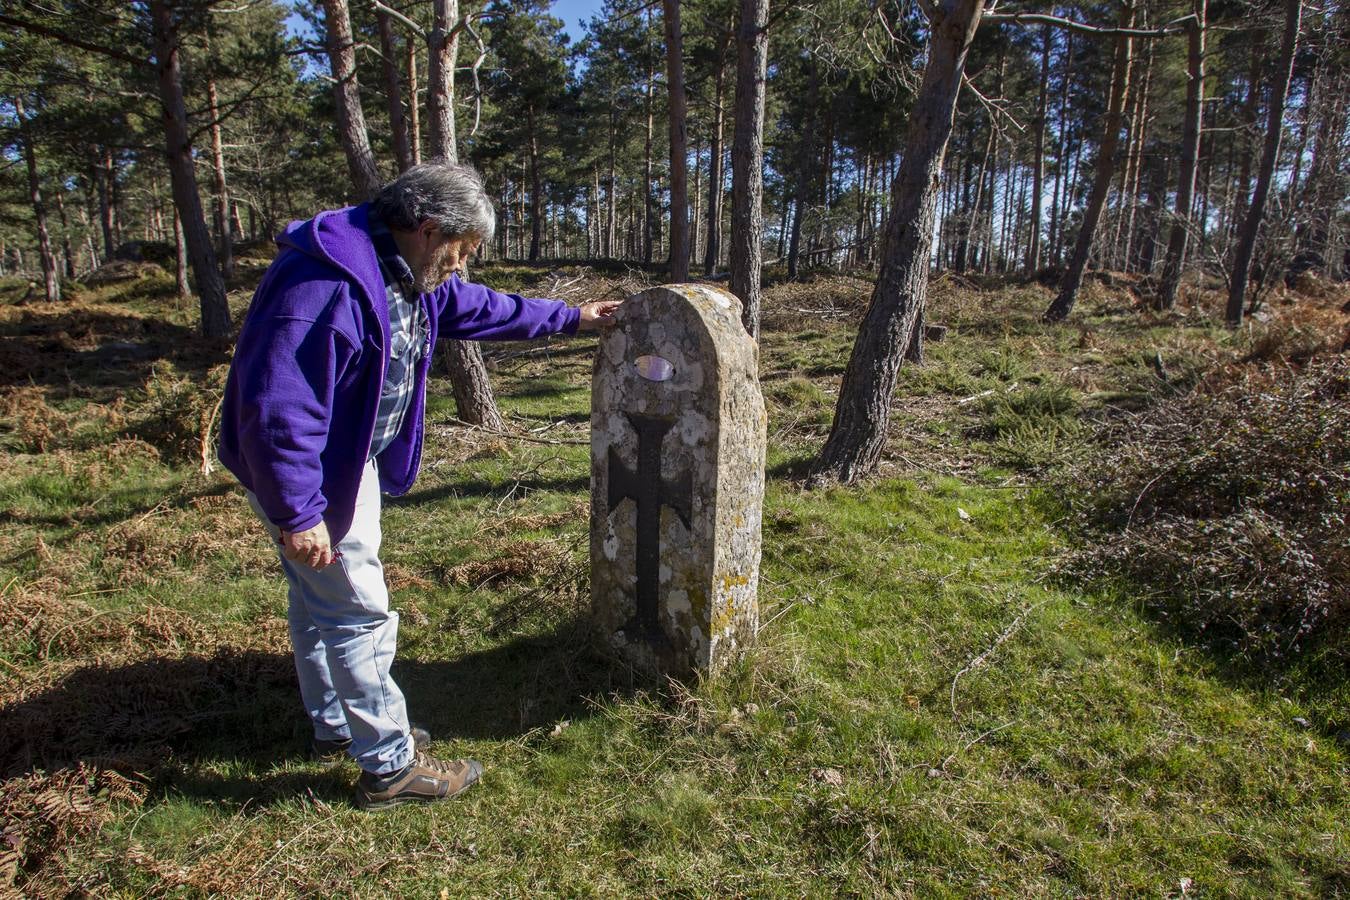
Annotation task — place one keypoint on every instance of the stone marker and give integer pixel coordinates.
(677, 480)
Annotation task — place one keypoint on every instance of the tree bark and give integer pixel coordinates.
(51, 279)
(218, 185)
(536, 188)
(66, 252)
(1101, 182)
(1279, 90)
(105, 175)
(747, 161)
(649, 200)
(180, 256)
(347, 99)
(1033, 259)
(862, 414)
(713, 248)
(1190, 151)
(393, 93)
(679, 144)
(442, 51)
(215, 309)
(414, 122)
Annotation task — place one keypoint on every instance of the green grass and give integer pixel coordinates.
(927, 710)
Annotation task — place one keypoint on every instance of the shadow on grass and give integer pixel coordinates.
(174, 720)
(96, 349)
(489, 489)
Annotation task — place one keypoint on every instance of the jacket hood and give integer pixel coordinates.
(340, 238)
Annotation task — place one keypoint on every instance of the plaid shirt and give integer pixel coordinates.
(409, 333)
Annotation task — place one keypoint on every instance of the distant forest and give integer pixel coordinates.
(1159, 138)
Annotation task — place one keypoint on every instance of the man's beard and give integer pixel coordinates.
(432, 273)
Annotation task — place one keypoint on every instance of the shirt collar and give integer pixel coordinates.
(386, 249)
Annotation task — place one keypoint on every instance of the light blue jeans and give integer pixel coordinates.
(344, 634)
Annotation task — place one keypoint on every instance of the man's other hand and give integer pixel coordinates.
(598, 315)
(309, 548)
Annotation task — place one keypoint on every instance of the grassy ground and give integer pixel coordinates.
(928, 711)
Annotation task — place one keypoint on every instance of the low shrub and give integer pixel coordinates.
(1230, 508)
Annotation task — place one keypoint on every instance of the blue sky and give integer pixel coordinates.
(574, 14)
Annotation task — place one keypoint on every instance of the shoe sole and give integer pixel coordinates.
(369, 805)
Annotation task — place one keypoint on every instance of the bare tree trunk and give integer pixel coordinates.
(713, 249)
(347, 99)
(696, 223)
(1101, 182)
(180, 256)
(215, 308)
(393, 94)
(222, 194)
(1190, 150)
(442, 51)
(1033, 260)
(1136, 159)
(747, 161)
(414, 121)
(1279, 90)
(679, 144)
(106, 175)
(1251, 111)
(68, 256)
(536, 190)
(862, 414)
(51, 279)
(649, 201)
(802, 193)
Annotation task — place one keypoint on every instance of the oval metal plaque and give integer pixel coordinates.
(654, 368)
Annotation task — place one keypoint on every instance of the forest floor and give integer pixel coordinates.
(931, 708)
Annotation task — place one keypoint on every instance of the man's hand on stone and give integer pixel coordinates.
(309, 548)
(598, 315)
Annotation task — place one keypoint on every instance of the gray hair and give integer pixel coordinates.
(449, 194)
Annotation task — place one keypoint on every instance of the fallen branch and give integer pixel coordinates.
(984, 657)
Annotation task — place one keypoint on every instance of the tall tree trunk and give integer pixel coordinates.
(862, 414)
(1140, 132)
(1101, 182)
(393, 93)
(67, 255)
(347, 99)
(1251, 112)
(414, 120)
(679, 144)
(218, 187)
(802, 192)
(536, 188)
(713, 249)
(180, 257)
(1279, 90)
(51, 278)
(210, 286)
(747, 161)
(696, 223)
(106, 176)
(442, 51)
(469, 382)
(1190, 150)
(611, 199)
(649, 185)
(1038, 172)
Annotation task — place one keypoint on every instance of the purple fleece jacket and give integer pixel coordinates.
(304, 387)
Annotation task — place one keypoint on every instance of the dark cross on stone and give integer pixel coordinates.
(650, 491)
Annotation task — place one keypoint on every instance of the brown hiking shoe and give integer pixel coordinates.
(425, 779)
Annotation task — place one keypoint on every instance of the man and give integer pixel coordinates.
(323, 410)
